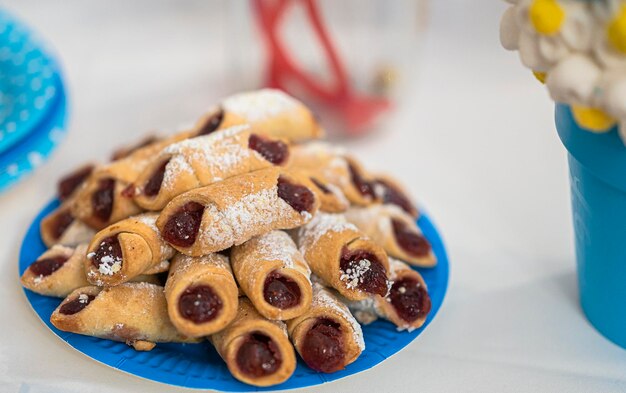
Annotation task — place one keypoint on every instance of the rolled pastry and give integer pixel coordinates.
(273, 274)
(271, 112)
(256, 350)
(105, 198)
(331, 197)
(333, 165)
(134, 313)
(327, 336)
(201, 293)
(390, 192)
(69, 183)
(396, 231)
(203, 160)
(343, 257)
(226, 213)
(407, 304)
(61, 227)
(57, 272)
(60, 270)
(125, 250)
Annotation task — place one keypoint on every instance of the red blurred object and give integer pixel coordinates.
(357, 110)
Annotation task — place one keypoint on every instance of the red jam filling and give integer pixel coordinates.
(76, 305)
(60, 223)
(108, 253)
(102, 199)
(280, 291)
(410, 241)
(320, 185)
(47, 266)
(322, 348)
(410, 299)
(258, 356)
(68, 184)
(153, 185)
(297, 196)
(363, 186)
(273, 151)
(212, 123)
(392, 195)
(199, 304)
(362, 270)
(182, 227)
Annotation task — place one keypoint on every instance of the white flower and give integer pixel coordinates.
(609, 45)
(573, 80)
(550, 30)
(509, 30)
(579, 49)
(612, 93)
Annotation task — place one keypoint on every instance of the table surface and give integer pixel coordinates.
(473, 139)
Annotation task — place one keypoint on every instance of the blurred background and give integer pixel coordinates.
(457, 119)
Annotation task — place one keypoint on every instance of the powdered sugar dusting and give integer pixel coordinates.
(175, 167)
(261, 209)
(395, 266)
(336, 191)
(204, 141)
(323, 298)
(148, 219)
(320, 225)
(278, 246)
(260, 105)
(218, 231)
(218, 155)
(353, 276)
(365, 311)
(108, 264)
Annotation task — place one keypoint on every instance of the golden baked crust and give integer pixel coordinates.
(271, 253)
(75, 233)
(327, 306)
(129, 312)
(376, 222)
(238, 209)
(272, 113)
(200, 161)
(143, 250)
(248, 321)
(334, 166)
(212, 270)
(60, 283)
(322, 240)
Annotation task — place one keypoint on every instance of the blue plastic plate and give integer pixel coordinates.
(28, 82)
(35, 148)
(198, 365)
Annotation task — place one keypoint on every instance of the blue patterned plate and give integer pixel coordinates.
(28, 82)
(198, 365)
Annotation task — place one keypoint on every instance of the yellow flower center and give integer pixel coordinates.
(592, 119)
(616, 30)
(541, 76)
(546, 16)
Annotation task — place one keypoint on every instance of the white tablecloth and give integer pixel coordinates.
(474, 140)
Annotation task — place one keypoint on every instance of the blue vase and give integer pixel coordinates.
(597, 165)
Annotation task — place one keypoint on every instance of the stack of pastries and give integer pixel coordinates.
(244, 230)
